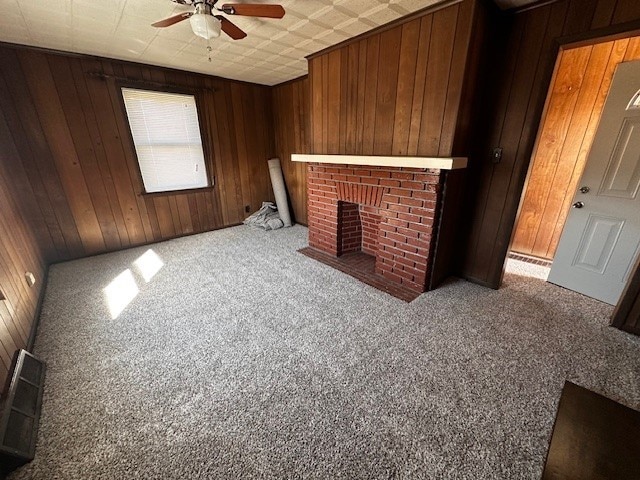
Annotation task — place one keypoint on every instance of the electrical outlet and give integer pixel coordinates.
(496, 155)
(31, 279)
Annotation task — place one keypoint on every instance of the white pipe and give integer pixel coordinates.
(279, 190)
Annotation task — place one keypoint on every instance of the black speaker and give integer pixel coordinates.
(20, 405)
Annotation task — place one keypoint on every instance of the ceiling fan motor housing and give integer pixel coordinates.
(211, 4)
(202, 7)
(207, 25)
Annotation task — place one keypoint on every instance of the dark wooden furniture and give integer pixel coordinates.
(593, 438)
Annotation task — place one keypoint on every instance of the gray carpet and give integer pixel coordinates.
(242, 358)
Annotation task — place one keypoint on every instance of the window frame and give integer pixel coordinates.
(204, 136)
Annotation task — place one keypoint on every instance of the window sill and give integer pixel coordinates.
(177, 192)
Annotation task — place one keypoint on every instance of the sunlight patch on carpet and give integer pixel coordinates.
(148, 264)
(120, 292)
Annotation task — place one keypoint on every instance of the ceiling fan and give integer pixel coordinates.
(206, 24)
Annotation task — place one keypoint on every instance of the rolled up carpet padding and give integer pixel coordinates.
(279, 190)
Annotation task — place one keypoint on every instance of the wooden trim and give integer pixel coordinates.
(441, 163)
(592, 37)
(49, 51)
(531, 6)
(387, 26)
(150, 84)
(482, 283)
(36, 320)
(630, 296)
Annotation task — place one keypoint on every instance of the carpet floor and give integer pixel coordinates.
(230, 355)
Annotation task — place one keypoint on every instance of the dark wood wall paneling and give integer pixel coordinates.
(76, 163)
(397, 92)
(526, 46)
(576, 98)
(291, 120)
(19, 253)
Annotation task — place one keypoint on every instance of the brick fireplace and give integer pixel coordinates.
(388, 213)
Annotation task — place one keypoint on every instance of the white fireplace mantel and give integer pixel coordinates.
(441, 163)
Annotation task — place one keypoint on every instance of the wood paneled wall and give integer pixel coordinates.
(19, 253)
(576, 97)
(525, 49)
(397, 92)
(76, 163)
(408, 89)
(291, 121)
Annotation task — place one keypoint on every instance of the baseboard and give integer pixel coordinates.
(479, 282)
(36, 320)
(129, 247)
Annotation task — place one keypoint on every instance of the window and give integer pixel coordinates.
(166, 135)
(635, 101)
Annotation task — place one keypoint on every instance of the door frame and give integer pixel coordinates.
(530, 166)
(631, 292)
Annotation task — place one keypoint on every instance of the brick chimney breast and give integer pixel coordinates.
(387, 212)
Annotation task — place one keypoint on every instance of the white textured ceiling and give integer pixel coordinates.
(274, 50)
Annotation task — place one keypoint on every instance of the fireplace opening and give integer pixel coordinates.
(358, 230)
(349, 228)
(358, 227)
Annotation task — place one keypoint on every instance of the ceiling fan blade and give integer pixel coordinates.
(253, 10)
(167, 22)
(231, 28)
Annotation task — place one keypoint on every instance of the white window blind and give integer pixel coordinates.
(166, 135)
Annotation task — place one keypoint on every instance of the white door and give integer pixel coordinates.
(601, 236)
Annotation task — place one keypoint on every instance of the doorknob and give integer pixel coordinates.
(578, 205)
(584, 189)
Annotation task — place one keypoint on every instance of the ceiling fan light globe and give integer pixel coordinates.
(205, 25)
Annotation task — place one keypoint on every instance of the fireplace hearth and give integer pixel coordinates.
(384, 216)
